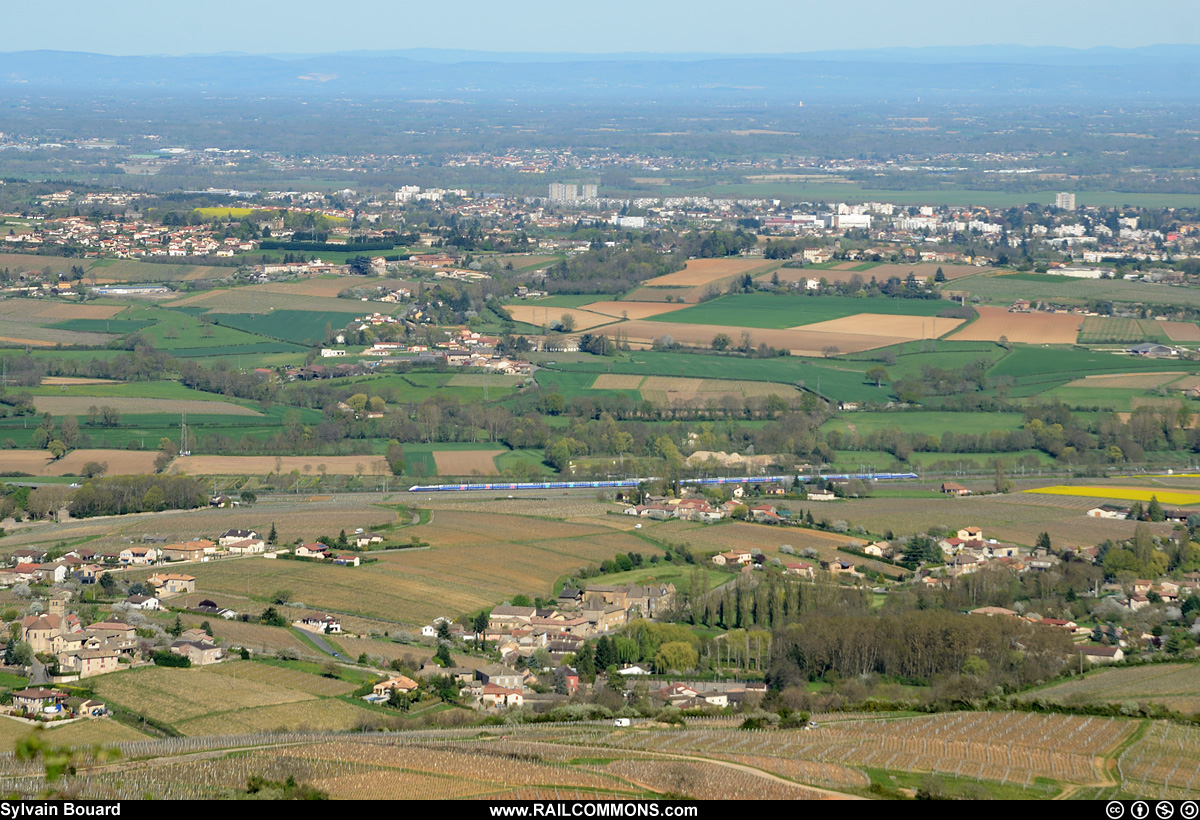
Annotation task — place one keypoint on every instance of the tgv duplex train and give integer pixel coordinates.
(633, 482)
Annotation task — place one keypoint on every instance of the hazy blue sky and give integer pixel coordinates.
(762, 26)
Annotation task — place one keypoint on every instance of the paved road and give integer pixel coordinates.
(320, 642)
(38, 674)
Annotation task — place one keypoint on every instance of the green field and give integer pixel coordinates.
(924, 421)
(1004, 289)
(132, 390)
(1035, 364)
(114, 325)
(843, 381)
(305, 327)
(784, 310)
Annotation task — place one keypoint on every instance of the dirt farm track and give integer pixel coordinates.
(264, 465)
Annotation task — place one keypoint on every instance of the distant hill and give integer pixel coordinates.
(894, 74)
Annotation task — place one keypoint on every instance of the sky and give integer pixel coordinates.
(144, 27)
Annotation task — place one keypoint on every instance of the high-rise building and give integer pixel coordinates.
(563, 192)
(1065, 201)
(572, 192)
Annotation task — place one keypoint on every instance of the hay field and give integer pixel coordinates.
(616, 381)
(1109, 329)
(311, 715)
(1127, 380)
(876, 324)
(632, 310)
(78, 406)
(172, 695)
(660, 295)
(669, 390)
(799, 342)
(537, 315)
(239, 300)
(80, 733)
(23, 341)
(55, 381)
(1028, 328)
(120, 462)
(265, 465)
(1181, 331)
(701, 272)
(466, 462)
(46, 310)
(482, 379)
(284, 676)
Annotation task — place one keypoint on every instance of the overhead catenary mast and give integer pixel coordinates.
(183, 437)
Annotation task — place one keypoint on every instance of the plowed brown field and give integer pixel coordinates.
(633, 310)
(36, 462)
(706, 271)
(1181, 331)
(1029, 328)
(466, 462)
(799, 342)
(539, 315)
(877, 324)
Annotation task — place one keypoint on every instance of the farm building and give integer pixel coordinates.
(1101, 654)
(951, 488)
(319, 623)
(1151, 349)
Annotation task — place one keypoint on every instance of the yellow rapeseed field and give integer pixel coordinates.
(1181, 497)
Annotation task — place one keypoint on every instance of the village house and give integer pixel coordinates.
(952, 488)
(841, 566)
(246, 546)
(499, 675)
(88, 662)
(602, 617)
(316, 550)
(192, 551)
(508, 617)
(801, 568)
(1108, 511)
(142, 602)
(499, 697)
(400, 683)
(1101, 654)
(138, 556)
(33, 701)
(722, 559)
(28, 556)
(362, 540)
(230, 536)
(994, 610)
(320, 623)
(199, 653)
(171, 583)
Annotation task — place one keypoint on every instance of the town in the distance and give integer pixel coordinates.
(716, 461)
